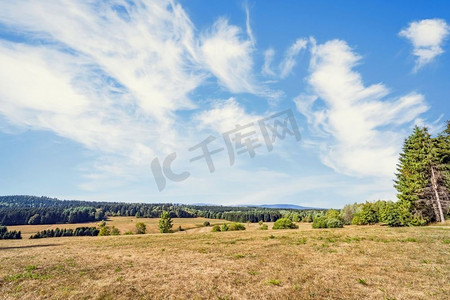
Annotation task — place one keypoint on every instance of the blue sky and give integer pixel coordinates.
(92, 93)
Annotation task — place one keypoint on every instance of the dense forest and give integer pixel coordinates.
(22, 210)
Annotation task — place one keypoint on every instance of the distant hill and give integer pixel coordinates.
(273, 206)
(286, 206)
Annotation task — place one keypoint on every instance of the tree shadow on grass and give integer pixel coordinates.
(28, 246)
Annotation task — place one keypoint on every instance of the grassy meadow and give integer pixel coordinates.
(356, 262)
(122, 223)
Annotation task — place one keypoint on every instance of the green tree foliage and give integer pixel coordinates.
(368, 215)
(332, 219)
(348, 212)
(423, 176)
(104, 231)
(335, 223)
(224, 227)
(141, 228)
(236, 226)
(228, 227)
(165, 223)
(9, 235)
(79, 231)
(284, 223)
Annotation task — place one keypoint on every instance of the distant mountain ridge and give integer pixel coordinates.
(274, 206)
(286, 206)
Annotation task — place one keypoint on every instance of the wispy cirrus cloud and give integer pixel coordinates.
(289, 61)
(114, 75)
(268, 58)
(224, 115)
(228, 55)
(357, 126)
(427, 37)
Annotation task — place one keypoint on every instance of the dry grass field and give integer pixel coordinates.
(122, 223)
(357, 262)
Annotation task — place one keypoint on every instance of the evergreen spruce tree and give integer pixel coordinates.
(422, 177)
(412, 176)
(440, 174)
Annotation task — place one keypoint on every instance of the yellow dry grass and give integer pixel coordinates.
(122, 223)
(357, 262)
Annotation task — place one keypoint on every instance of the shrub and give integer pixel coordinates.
(284, 223)
(335, 223)
(224, 227)
(320, 222)
(104, 231)
(390, 214)
(356, 220)
(215, 228)
(368, 214)
(141, 228)
(260, 222)
(264, 227)
(206, 224)
(236, 226)
(418, 221)
(115, 231)
(129, 232)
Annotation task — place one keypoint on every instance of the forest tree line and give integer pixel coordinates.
(79, 231)
(32, 210)
(9, 235)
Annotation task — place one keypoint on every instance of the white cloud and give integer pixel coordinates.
(247, 25)
(268, 58)
(229, 57)
(289, 61)
(224, 116)
(358, 125)
(427, 37)
(114, 75)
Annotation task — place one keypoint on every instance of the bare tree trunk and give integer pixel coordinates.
(438, 200)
